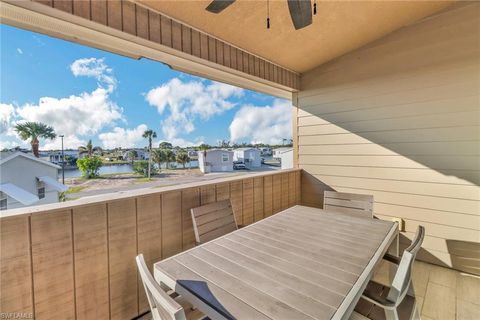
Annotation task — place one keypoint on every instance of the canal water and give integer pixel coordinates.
(121, 168)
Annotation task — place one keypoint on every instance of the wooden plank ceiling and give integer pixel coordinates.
(148, 24)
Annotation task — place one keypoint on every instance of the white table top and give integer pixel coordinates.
(302, 263)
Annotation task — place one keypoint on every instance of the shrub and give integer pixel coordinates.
(89, 166)
(141, 167)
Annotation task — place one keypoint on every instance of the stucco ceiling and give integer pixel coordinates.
(338, 27)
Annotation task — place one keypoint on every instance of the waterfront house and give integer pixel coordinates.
(142, 154)
(251, 157)
(215, 160)
(26, 180)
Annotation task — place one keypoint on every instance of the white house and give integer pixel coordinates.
(26, 180)
(251, 157)
(142, 154)
(217, 160)
(286, 159)
(278, 152)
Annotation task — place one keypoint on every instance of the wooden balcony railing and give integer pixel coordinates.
(75, 260)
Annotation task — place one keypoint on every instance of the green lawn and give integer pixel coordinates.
(75, 189)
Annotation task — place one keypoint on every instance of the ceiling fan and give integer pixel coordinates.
(300, 11)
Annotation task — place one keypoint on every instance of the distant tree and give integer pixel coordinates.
(165, 145)
(224, 143)
(89, 166)
(204, 147)
(149, 134)
(169, 156)
(183, 158)
(89, 149)
(158, 156)
(34, 131)
(141, 167)
(132, 155)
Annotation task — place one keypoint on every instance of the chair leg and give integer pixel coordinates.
(391, 314)
(416, 313)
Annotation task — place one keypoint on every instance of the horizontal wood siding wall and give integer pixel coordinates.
(399, 119)
(77, 261)
(136, 20)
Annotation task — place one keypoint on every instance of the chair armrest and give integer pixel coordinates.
(378, 300)
(391, 258)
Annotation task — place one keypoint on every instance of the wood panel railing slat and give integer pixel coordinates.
(91, 262)
(122, 247)
(15, 262)
(149, 235)
(52, 258)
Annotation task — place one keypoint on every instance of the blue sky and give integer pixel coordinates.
(88, 93)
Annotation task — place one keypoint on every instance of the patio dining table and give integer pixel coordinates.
(301, 263)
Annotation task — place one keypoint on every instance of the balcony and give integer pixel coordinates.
(76, 259)
(387, 108)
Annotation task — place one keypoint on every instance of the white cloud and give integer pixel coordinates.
(188, 101)
(269, 124)
(78, 117)
(70, 142)
(7, 111)
(84, 114)
(125, 138)
(20, 51)
(95, 68)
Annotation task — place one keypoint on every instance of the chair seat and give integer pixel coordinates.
(369, 310)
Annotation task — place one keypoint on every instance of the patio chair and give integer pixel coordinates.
(348, 203)
(162, 305)
(398, 301)
(213, 220)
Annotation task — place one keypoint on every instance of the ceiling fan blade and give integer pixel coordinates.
(301, 12)
(217, 6)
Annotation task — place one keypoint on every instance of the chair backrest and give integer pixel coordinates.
(403, 276)
(361, 204)
(162, 306)
(213, 220)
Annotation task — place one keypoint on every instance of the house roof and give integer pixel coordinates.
(217, 150)
(28, 156)
(53, 183)
(246, 149)
(282, 150)
(19, 194)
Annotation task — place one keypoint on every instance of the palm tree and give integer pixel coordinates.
(183, 158)
(169, 156)
(34, 131)
(158, 155)
(204, 147)
(89, 149)
(149, 134)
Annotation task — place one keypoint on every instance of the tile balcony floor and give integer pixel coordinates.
(443, 294)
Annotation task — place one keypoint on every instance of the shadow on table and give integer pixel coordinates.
(201, 291)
